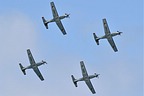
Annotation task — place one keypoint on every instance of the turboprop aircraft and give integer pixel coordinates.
(85, 78)
(56, 18)
(33, 65)
(108, 35)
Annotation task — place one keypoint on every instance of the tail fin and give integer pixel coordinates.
(45, 23)
(22, 68)
(96, 38)
(74, 80)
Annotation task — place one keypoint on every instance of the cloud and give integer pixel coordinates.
(17, 34)
(16, 29)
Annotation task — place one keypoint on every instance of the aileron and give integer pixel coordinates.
(38, 73)
(59, 24)
(54, 11)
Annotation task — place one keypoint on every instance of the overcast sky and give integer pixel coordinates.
(21, 28)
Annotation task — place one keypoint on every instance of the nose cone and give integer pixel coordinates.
(97, 75)
(119, 32)
(44, 62)
(67, 15)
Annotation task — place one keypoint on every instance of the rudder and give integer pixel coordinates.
(22, 69)
(45, 22)
(96, 38)
(74, 80)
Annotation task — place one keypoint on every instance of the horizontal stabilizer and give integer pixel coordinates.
(96, 38)
(22, 68)
(74, 80)
(45, 22)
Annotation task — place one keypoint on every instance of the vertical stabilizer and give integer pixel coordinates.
(96, 38)
(45, 22)
(74, 80)
(22, 68)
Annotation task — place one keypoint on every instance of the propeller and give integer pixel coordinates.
(119, 32)
(67, 15)
(97, 75)
(44, 62)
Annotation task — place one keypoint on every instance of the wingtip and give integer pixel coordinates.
(28, 49)
(104, 18)
(115, 50)
(42, 79)
(64, 33)
(81, 62)
(51, 2)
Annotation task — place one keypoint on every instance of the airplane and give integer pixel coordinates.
(56, 18)
(33, 65)
(108, 35)
(85, 78)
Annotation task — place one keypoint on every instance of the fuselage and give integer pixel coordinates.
(110, 35)
(34, 65)
(86, 78)
(57, 19)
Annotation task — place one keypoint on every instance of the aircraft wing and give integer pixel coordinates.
(109, 38)
(106, 28)
(36, 70)
(85, 75)
(84, 71)
(31, 59)
(111, 41)
(59, 24)
(90, 86)
(55, 15)
(54, 11)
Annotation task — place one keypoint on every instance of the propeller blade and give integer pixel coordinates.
(44, 61)
(97, 75)
(67, 15)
